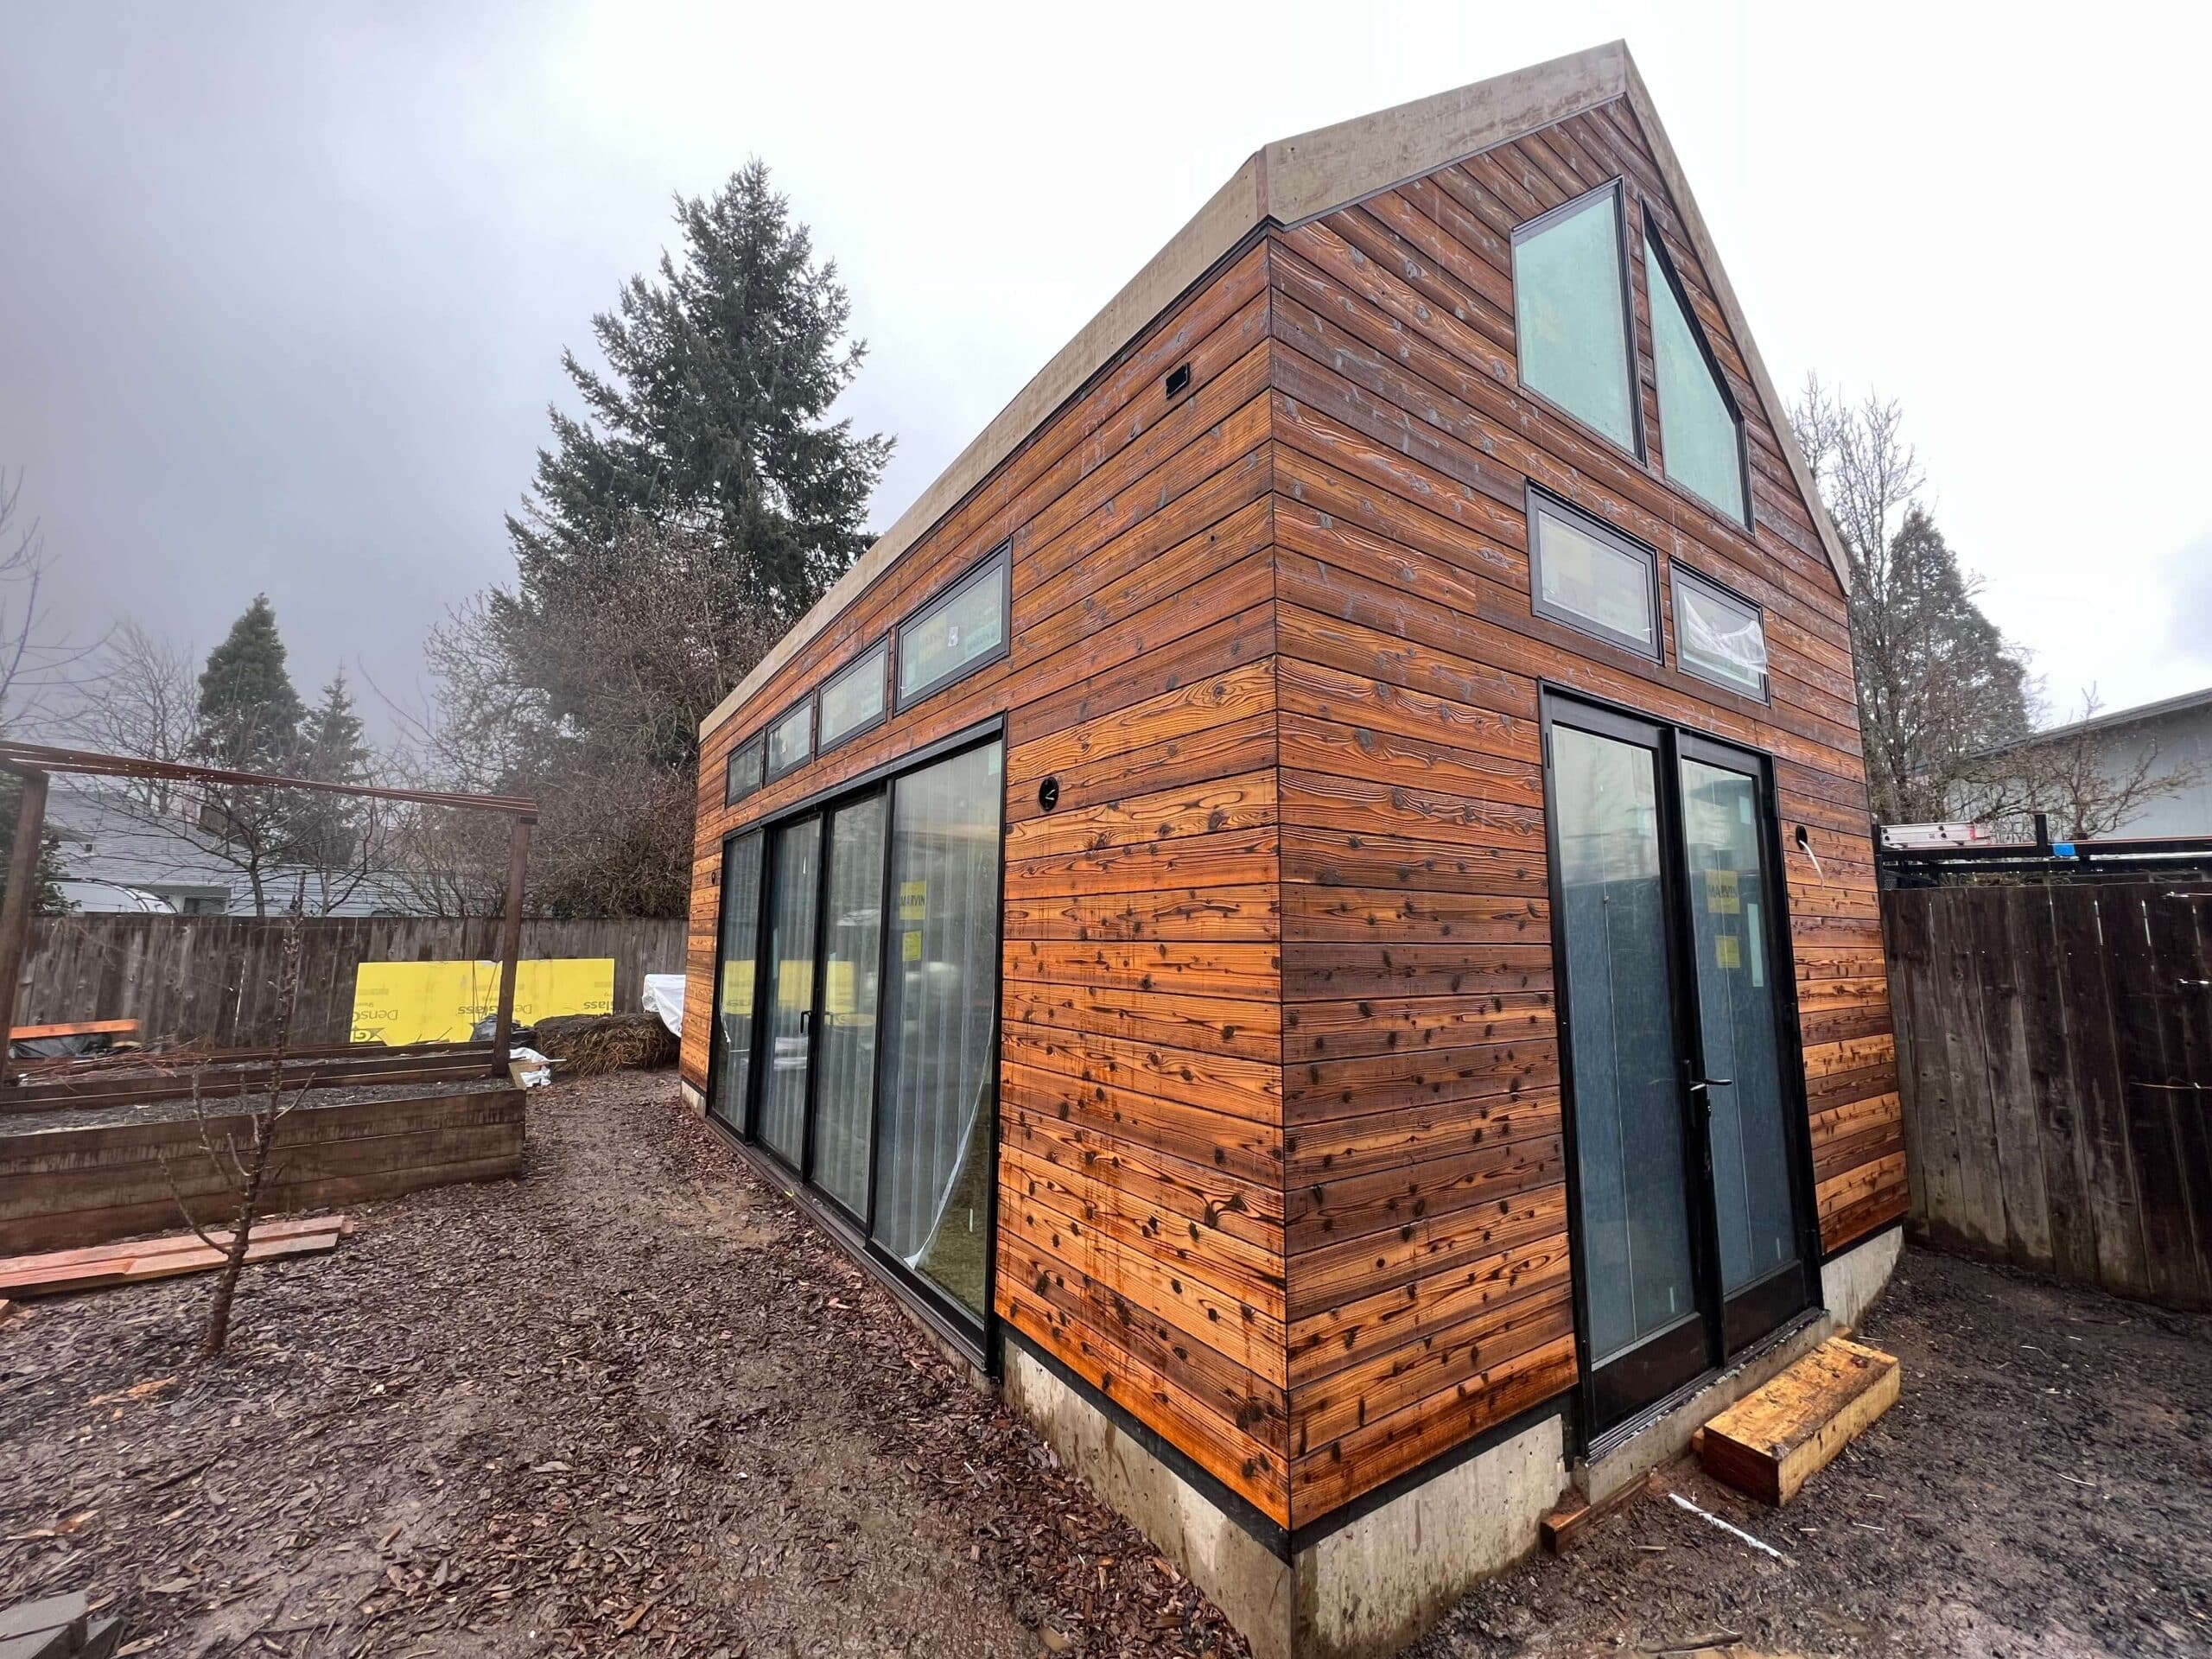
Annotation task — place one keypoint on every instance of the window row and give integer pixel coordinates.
(1590, 577)
(1574, 323)
(949, 637)
(856, 1011)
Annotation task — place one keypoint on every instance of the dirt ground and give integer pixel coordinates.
(2042, 1489)
(631, 1402)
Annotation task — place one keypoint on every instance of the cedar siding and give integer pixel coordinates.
(1427, 1224)
(1279, 1159)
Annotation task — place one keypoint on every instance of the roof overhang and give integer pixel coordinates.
(1287, 182)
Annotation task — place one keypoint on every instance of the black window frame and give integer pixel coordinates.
(973, 1335)
(884, 644)
(771, 770)
(1616, 188)
(1000, 559)
(1654, 245)
(757, 747)
(1539, 500)
(1679, 576)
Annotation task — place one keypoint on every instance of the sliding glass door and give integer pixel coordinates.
(874, 1072)
(1690, 1199)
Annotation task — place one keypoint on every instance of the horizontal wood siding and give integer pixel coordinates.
(1141, 1208)
(1429, 1291)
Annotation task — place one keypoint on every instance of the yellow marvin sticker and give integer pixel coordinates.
(1727, 952)
(1720, 894)
(909, 945)
(913, 900)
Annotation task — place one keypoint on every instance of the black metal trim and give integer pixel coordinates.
(1639, 444)
(1749, 522)
(805, 704)
(828, 745)
(980, 1338)
(714, 1013)
(757, 746)
(1539, 501)
(1677, 571)
(1000, 560)
(1896, 1223)
(1667, 744)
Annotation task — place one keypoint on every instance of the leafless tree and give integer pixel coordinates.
(34, 663)
(1938, 684)
(244, 1171)
(2073, 776)
(591, 703)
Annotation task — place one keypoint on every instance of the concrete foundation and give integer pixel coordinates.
(1361, 1591)
(695, 1098)
(1851, 1283)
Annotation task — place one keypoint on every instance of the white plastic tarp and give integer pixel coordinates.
(664, 996)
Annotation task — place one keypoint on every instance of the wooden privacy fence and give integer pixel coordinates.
(212, 979)
(2055, 1053)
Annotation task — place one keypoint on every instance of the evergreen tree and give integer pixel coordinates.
(249, 713)
(713, 415)
(325, 831)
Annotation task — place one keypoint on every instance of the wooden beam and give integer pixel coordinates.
(22, 900)
(510, 946)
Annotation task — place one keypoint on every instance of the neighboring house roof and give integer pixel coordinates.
(2187, 703)
(1287, 182)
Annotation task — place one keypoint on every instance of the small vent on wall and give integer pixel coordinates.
(1177, 379)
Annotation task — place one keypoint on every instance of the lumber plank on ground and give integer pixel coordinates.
(143, 1248)
(1772, 1440)
(37, 1275)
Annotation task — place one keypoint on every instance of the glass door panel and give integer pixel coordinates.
(793, 890)
(852, 936)
(1646, 1329)
(1740, 1024)
(734, 989)
(940, 1076)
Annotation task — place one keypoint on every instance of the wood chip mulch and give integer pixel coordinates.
(629, 1402)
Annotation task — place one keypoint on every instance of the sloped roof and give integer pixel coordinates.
(1289, 182)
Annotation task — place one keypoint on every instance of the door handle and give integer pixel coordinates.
(1701, 1084)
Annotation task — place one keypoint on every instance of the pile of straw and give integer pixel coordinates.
(588, 1043)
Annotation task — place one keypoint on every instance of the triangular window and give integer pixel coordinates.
(1700, 437)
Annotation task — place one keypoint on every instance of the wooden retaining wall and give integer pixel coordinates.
(2055, 1050)
(212, 979)
(62, 1188)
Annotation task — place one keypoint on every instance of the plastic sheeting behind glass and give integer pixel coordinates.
(940, 1019)
(1628, 1122)
(733, 995)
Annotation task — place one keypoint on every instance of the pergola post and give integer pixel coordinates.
(22, 903)
(510, 946)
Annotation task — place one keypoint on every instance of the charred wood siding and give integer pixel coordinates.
(1139, 1214)
(1426, 1209)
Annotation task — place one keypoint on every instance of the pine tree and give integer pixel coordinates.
(325, 831)
(249, 713)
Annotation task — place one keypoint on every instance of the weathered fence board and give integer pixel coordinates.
(2055, 1050)
(212, 979)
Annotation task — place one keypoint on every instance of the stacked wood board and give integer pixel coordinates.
(56, 1272)
(1771, 1441)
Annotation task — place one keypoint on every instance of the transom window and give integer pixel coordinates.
(791, 740)
(852, 699)
(1570, 312)
(744, 774)
(1718, 637)
(956, 633)
(1700, 436)
(1591, 577)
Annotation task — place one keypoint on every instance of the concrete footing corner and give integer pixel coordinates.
(1361, 1591)
(1851, 1283)
(695, 1098)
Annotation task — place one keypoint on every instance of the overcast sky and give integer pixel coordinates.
(284, 289)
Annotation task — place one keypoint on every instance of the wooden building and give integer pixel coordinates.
(1310, 906)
